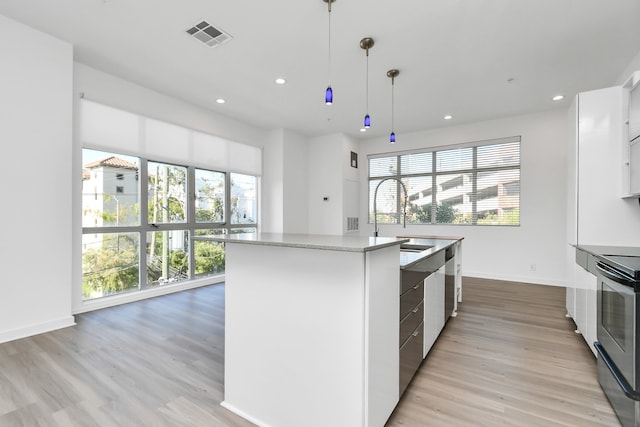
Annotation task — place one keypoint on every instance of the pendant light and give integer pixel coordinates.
(328, 94)
(392, 74)
(366, 44)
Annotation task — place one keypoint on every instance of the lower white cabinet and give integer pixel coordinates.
(584, 305)
(433, 308)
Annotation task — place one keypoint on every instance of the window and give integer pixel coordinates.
(140, 235)
(477, 184)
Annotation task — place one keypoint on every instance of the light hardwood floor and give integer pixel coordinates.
(510, 358)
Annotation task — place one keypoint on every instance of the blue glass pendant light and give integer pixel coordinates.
(366, 44)
(393, 73)
(328, 94)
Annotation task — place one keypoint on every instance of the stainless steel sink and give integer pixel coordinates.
(413, 247)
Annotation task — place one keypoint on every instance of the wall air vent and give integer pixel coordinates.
(352, 223)
(208, 34)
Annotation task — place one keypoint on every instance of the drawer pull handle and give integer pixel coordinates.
(415, 333)
(415, 288)
(415, 310)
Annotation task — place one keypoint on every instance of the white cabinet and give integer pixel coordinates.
(571, 301)
(586, 314)
(433, 308)
(311, 333)
(631, 149)
(458, 278)
(596, 214)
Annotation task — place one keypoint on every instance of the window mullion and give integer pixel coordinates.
(227, 202)
(143, 201)
(434, 188)
(398, 190)
(191, 219)
(474, 187)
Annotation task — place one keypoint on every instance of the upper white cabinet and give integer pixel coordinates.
(630, 146)
(595, 160)
(600, 165)
(598, 140)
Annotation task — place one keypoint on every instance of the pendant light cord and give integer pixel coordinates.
(329, 62)
(367, 80)
(392, 101)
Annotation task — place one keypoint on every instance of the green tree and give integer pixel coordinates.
(209, 257)
(445, 213)
(111, 268)
(208, 194)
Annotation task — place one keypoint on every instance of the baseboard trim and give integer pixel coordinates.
(114, 300)
(36, 329)
(240, 413)
(516, 279)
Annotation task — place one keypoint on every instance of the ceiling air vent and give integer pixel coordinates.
(208, 34)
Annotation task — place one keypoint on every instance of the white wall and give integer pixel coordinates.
(35, 130)
(634, 65)
(113, 91)
(325, 180)
(501, 252)
(331, 175)
(272, 183)
(351, 181)
(285, 182)
(295, 215)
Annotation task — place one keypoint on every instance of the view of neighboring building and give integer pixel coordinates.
(473, 184)
(110, 193)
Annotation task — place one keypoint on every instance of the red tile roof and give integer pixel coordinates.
(113, 162)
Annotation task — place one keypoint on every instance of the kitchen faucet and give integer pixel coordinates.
(375, 210)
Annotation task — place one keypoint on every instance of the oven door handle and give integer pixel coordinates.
(610, 273)
(620, 379)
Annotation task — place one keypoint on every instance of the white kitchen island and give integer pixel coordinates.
(311, 329)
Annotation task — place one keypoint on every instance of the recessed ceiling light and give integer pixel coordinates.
(363, 129)
(220, 101)
(280, 81)
(558, 97)
(448, 117)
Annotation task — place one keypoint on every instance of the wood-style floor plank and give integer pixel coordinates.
(510, 358)
(157, 362)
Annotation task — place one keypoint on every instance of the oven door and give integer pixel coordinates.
(617, 322)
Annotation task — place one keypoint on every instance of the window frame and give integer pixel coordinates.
(474, 171)
(144, 226)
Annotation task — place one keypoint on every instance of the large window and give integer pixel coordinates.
(477, 184)
(140, 217)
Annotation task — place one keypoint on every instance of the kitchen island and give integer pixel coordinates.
(313, 324)
(311, 329)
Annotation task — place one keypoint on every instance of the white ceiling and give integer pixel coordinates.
(454, 56)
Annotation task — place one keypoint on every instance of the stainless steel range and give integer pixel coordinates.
(617, 332)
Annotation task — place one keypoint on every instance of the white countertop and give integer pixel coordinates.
(309, 241)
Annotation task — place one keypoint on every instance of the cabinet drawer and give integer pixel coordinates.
(411, 357)
(420, 270)
(411, 322)
(411, 298)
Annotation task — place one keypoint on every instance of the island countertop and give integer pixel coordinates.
(435, 243)
(310, 241)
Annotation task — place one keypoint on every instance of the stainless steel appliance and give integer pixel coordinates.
(449, 282)
(617, 332)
